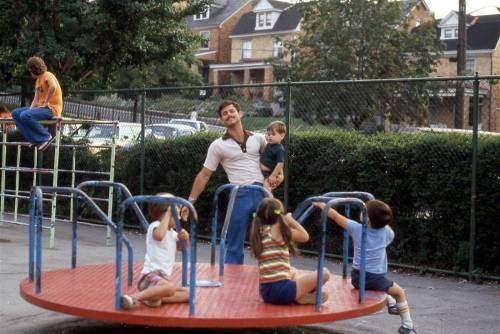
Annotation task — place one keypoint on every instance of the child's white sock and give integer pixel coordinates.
(404, 313)
(390, 301)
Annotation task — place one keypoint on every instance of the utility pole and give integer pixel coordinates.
(461, 54)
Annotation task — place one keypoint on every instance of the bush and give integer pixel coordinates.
(425, 178)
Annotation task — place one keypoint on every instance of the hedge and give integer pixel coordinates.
(426, 178)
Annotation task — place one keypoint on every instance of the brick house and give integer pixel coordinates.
(483, 57)
(256, 40)
(417, 12)
(214, 26)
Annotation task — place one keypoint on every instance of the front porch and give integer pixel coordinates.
(249, 73)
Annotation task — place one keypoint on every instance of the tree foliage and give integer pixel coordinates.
(82, 39)
(361, 39)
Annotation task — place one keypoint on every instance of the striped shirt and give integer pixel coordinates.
(274, 262)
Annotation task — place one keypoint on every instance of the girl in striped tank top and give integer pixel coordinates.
(273, 235)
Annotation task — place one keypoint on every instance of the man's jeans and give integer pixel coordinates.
(246, 203)
(27, 121)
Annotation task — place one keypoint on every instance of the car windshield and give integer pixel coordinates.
(100, 131)
(160, 131)
(188, 123)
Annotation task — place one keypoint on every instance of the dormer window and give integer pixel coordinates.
(449, 33)
(449, 26)
(202, 16)
(264, 20)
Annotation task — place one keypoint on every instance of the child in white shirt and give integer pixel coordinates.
(162, 241)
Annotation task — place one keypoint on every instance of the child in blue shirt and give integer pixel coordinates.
(379, 236)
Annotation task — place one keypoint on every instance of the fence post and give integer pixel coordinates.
(475, 125)
(136, 106)
(143, 153)
(288, 101)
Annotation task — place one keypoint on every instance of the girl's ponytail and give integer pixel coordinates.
(286, 233)
(255, 236)
(268, 213)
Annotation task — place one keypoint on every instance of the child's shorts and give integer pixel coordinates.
(282, 292)
(372, 281)
(151, 279)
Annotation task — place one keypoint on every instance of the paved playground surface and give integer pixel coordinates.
(438, 304)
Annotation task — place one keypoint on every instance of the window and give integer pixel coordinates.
(470, 64)
(246, 49)
(261, 18)
(269, 20)
(479, 109)
(205, 39)
(264, 20)
(449, 33)
(278, 49)
(202, 16)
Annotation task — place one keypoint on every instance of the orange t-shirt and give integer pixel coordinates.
(42, 88)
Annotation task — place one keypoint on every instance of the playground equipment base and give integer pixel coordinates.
(88, 292)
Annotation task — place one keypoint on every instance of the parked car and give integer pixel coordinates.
(102, 134)
(197, 125)
(164, 131)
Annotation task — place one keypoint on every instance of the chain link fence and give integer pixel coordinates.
(408, 142)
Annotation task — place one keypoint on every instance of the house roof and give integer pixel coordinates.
(288, 20)
(279, 4)
(482, 34)
(218, 14)
(408, 5)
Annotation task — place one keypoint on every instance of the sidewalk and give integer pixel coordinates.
(438, 305)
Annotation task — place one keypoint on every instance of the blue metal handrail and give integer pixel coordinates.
(362, 265)
(330, 202)
(303, 211)
(215, 218)
(173, 201)
(36, 217)
(215, 207)
(119, 187)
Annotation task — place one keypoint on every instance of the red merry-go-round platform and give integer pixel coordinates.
(88, 292)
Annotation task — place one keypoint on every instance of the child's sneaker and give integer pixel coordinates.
(152, 303)
(392, 310)
(127, 302)
(406, 330)
(310, 298)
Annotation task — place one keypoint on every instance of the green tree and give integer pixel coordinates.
(172, 73)
(83, 39)
(361, 39)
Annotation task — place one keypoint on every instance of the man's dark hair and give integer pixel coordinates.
(379, 213)
(228, 103)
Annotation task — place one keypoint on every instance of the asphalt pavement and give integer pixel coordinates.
(438, 304)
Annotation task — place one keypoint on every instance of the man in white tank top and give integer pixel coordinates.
(238, 151)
